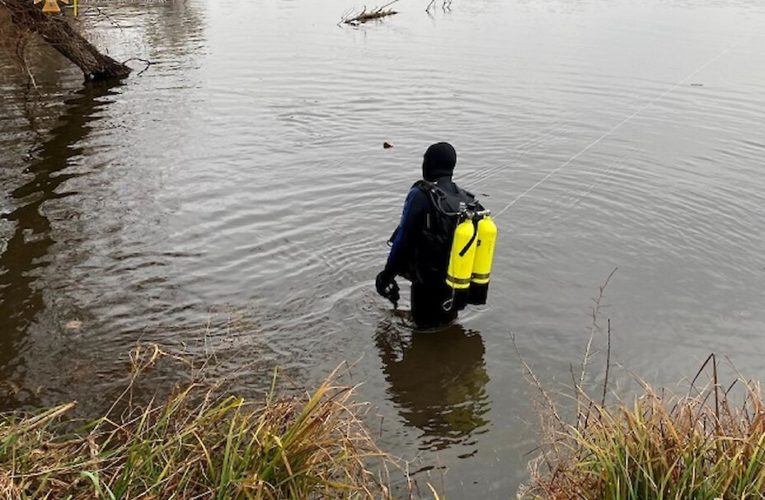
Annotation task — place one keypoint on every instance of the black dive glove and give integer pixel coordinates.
(387, 287)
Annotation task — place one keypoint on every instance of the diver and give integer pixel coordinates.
(437, 245)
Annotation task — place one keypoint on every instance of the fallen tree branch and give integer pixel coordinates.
(365, 16)
(60, 35)
(139, 59)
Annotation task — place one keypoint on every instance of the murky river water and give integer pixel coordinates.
(235, 199)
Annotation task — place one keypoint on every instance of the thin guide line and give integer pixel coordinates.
(615, 128)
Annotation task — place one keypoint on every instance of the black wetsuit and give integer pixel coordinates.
(422, 241)
(420, 253)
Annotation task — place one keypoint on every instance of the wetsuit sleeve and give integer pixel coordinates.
(412, 222)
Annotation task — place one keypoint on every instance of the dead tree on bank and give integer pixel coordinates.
(60, 35)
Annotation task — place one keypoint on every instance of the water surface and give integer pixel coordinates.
(235, 199)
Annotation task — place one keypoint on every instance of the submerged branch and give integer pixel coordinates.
(139, 59)
(368, 15)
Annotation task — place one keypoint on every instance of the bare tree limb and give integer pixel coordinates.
(139, 59)
(365, 16)
(59, 34)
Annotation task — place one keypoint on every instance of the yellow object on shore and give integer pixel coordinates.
(51, 6)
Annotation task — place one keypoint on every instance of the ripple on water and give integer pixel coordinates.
(235, 199)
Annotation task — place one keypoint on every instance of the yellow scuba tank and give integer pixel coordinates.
(461, 258)
(484, 256)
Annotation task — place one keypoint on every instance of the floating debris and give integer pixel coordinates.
(74, 324)
(365, 15)
(446, 5)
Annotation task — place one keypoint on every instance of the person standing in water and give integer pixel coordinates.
(421, 244)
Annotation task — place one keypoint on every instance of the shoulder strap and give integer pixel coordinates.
(437, 194)
(424, 185)
(434, 192)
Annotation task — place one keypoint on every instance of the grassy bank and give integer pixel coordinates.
(194, 444)
(707, 444)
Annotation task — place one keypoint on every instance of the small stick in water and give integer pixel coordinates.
(364, 15)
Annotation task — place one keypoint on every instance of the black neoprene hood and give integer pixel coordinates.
(439, 161)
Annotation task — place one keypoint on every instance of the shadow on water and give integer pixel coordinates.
(437, 381)
(26, 252)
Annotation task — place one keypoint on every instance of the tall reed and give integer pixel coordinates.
(194, 444)
(702, 445)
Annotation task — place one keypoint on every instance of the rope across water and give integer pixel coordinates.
(612, 130)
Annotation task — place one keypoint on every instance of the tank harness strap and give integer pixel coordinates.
(472, 239)
(436, 194)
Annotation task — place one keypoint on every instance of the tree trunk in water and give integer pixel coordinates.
(57, 32)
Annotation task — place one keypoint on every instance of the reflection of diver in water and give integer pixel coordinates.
(437, 380)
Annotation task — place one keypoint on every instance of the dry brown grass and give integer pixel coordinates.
(194, 444)
(707, 444)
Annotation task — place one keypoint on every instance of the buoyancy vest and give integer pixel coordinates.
(455, 247)
(430, 258)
